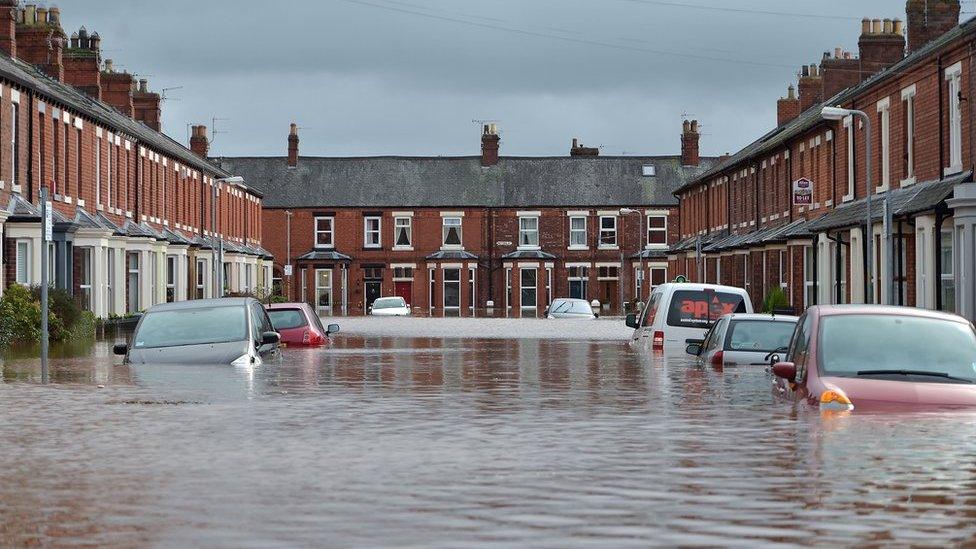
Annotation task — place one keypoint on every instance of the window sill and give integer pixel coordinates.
(952, 170)
(373, 247)
(324, 247)
(403, 248)
(608, 247)
(578, 248)
(847, 198)
(528, 248)
(656, 247)
(908, 182)
(452, 248)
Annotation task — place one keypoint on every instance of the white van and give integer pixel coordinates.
(677, 313)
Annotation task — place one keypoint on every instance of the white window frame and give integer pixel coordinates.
(639, 283)
(14, 137)
(405, 223)
(908, 103)
(98, 173)
(527, 233)
(535, 289)
(452, 221)
(884, 121)
(572, 231)
(171, 284)
(508, 289)
(372, 238)
(851, 171)
(953, 76)
(663, 230)
(201, 282)
(24, 245)
(445, 282)
(809, 276)
(650, 281)
(616, 242)
(472, 288)
(330, 231)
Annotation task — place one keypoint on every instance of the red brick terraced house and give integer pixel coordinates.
(471, 235)
(739, 224)
(132, 207)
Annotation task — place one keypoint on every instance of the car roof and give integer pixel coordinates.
(763, 316)
(836, 310)
(699, 286)
(570, 299)
(294, 305)
(203, 303)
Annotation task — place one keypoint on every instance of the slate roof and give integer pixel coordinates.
(107, 223)
(85, 220)
(811, 117)
(20, 208)
(528, 254)
(318, 255)
(174, 237)
(457, 255)
(405, 182)
(133, 229)
(651, 254)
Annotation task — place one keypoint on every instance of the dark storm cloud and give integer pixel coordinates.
(408, 76)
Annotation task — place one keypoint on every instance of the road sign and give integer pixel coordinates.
(49, 223)
(680, 279)
(289, 270)
(802, 192)
(503, 243)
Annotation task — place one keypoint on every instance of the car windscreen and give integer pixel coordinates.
(284, 319)
(389, 303)
(853, 344)
(195, 326)
(701, 308)
(579, 308)
(759, 335)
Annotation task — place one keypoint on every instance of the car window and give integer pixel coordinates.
(651, 310)
(715, 336)
(257, 327)
(195, 326)
(560, 306)
(700, 308)
(759, 335)
(389, 303)
(580, 308)
(285, 319)
(316, 321)
(799, 346)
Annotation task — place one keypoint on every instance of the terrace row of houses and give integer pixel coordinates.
(471, 235)
(790, 209)
(134, 221)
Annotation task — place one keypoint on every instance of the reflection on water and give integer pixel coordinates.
(434, 442)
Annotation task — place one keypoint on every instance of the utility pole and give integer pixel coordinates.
(289, 268)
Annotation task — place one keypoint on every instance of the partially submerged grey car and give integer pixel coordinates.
(207, 331)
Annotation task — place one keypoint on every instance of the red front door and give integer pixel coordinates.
(404, 290)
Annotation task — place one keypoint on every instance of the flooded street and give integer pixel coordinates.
(393, 440)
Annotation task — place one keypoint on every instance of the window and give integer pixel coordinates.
(323, 291)
(153, 277)
(403, 273)
(608, 231)
(884, 130)
(577, 232)
(529, 286)
(782, 273)
(108, 173)
(608, 273)
(98, 172)
(659, 275)
(528, 232)
(132, 261)
(954, 77)
(841, 284)
(14, 144)
(201, 278)
(109, 280)
(700, 309)
(639, 283)
(170, 278)
(472, 272)
(324, 234)
(85, 279)
(508, 289)
(452, 232)
(452, 291)
(657, 230)
(403, 237)
(648, 170)
(849, 125)
(431, 289)
(908, 135)
(809, 277)
(947, 274)
(372, 232)
(23, 262)
(78, 162)
(57, 154)
(578, 279)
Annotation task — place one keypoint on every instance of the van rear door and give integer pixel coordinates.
(693, 311)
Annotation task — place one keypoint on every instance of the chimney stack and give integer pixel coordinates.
(787, 108)
(689, 144)
(881, 47)
(489, 145)
(41, 40)
(841, 71)
(930, 19)
(293, 146)
(117, 89)
(579, 150)
(198, 141)
(82, 62)
(146, 106)
(811, 87)
(8, 26)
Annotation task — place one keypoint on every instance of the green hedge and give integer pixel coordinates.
(20, 316)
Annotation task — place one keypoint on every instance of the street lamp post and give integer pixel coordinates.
(640, 250)
(837, 113)
(218, 279)
(289, 266)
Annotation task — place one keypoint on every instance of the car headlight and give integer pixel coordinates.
(835, 400)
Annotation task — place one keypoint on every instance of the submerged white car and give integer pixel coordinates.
(570, 308)
(390, 306)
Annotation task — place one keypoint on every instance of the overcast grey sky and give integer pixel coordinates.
(408, 77)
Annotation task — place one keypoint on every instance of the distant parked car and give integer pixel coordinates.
(744, 339)
(680, 313)
(299, 325)
(570, 308)
(390, 306)
(208, 331)
(864, 357)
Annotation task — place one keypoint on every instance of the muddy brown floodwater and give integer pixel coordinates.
(462, 442)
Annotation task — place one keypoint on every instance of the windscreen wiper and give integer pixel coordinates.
(913, 373)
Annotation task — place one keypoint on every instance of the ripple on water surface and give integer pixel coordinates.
(443, 442)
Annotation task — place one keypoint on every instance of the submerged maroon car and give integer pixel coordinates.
(864, 357)
(299, 325)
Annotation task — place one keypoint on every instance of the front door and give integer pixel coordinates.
(374, 290)
(403, 289)
(452, 292)
(609, 295)
(323, 291)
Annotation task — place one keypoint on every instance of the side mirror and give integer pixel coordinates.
(632, 320)
(120, 349)
(270, 338)
(694, 349)
(785, 370)
(332, 329)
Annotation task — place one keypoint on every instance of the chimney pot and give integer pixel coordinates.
(791, 92)
(109, 65)
(575, 143)
(876, 26)
(865, 26)
(889, 27)
(144, 85)
(30, 14)
(898, 27)
(54, 15)
(838, 53)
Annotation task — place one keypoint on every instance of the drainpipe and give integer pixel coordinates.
(30, 150)
(816, 269)
(937, 275)
(491, 253)
(789, 183)
(939, 79)
(900, 266)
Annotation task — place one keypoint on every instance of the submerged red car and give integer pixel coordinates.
(299, 325)
(864, 357)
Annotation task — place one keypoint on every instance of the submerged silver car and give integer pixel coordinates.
(744, 339)
(570, 308)
(207, 331)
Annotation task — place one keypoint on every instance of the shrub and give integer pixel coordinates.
(83, 328)
(775, 300)
(20, 317)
